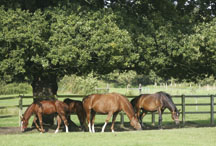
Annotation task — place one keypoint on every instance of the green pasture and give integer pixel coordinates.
(177, 137)
(196, 131)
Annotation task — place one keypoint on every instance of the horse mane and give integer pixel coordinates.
(130, 113)
(161, 93)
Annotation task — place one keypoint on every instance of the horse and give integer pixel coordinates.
(111, 104)
(77, 108)
(155, 102)
(45, 107)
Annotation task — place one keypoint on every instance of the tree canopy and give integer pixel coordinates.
(43, 41)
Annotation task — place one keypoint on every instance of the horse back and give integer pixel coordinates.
(45, 107)
(74, 106)
(102, 103)
(50, 106)
(150, 102)
(61, 107)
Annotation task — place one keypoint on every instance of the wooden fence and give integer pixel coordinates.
(183, 105)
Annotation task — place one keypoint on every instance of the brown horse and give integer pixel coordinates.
(154, 102)
(110, 104)
(76, 107)
(45, 107)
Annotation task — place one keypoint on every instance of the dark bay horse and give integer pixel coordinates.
(154, 102)
(45, 107)
(110, 104)
(76, 107)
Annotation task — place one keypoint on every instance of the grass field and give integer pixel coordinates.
(195, 132)
(174, 137)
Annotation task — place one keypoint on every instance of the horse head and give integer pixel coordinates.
(24, 124)
(135, 123)
(175, 116)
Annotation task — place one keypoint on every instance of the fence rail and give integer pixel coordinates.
(183, 105)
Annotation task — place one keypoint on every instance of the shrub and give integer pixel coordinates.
(15, 88)
(78, 85)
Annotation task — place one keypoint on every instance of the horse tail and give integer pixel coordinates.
(134, 100)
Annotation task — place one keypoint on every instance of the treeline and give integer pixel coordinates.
(43, 41)
(88, 84)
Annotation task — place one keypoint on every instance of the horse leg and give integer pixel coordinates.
(160, 119)
(141, 118)
(82, 121)
(107, 120)
(65, 122)
(41, 122)
(59, 123)
(92, 120)
(88, 116)
(35, 122)
(113, 120)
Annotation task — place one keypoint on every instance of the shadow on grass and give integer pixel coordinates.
(118, 127)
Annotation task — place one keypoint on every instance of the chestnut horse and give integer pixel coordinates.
(110, 104)
(45, 107)
(154, 102)
(76, 107)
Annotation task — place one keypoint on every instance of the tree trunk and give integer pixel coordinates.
(45, 88)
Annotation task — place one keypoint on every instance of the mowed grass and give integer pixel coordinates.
(171, 135)
(174, 137)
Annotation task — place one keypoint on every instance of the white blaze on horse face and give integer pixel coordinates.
(104, 126)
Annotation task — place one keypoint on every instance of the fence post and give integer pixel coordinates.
(212, 110)
(183, 109)
(20, 108)
(127, 88)
(107, 88)
(140, 88)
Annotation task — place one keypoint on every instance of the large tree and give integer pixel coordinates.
(42, 42)
(43, 46)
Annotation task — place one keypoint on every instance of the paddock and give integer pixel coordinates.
(196, 110)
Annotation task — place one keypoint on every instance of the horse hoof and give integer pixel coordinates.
(43, 131)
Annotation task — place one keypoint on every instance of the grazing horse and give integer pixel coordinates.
(45, 107)
(77, 108)
(154, 102)
(110, 104)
